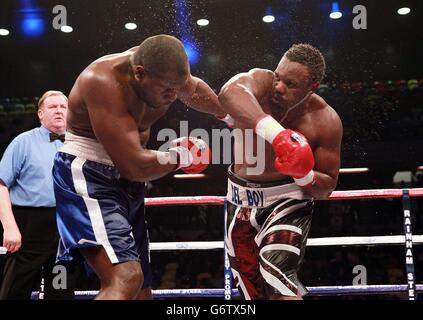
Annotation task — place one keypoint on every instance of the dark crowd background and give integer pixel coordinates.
(374, 81)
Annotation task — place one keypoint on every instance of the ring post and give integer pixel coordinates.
(227, 273)
(409, 261)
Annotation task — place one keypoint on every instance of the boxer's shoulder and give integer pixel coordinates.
(323, 120)
(321, 109)
(262, 76)
(102, 80)
(257, 80)
(99, 72)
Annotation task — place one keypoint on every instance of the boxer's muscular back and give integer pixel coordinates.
(313, 119)
(115, 69)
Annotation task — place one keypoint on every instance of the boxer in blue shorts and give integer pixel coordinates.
(100, 172)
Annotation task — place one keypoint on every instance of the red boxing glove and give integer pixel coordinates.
(193, 154)
(294, 156)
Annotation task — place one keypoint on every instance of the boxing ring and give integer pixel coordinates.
(227, 293)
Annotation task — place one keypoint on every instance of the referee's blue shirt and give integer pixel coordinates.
(26, 168)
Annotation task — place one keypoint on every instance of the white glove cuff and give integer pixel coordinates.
(306, 181)
(183, 156)
(268, 128)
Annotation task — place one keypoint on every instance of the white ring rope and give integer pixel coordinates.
(192, 245)
(312, 242)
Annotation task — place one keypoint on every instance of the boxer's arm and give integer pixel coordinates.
(327, 160)
(199, 96)
(240, 96)
(133, 49)
(117, 131)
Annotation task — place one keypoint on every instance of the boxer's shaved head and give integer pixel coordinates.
(162, 54)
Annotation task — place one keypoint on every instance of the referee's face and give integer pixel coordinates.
(52, 114)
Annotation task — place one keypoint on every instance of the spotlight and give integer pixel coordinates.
(192, 51)
(32, 24)
(203, 22)
(66, 29)
(335, 13)
(404, 11)
(4, 32)
(184, 30)
(268, 18)
(130, 26)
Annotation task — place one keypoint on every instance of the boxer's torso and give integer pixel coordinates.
(114, 67)
(310, 118)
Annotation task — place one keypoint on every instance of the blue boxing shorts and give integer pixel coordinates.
(95, 207)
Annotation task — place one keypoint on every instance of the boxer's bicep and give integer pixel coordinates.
(327, 162)
(199, 96)
(118, 132)
(259, 82)
(188, 91)
(327, 155)
(240, 97)
(113, 126)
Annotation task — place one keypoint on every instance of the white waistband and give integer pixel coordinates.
(85, 148)
(263, 197)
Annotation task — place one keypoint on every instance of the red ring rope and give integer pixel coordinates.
(336, 195)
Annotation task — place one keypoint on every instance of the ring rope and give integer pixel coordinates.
(336, 195)
(218, 293)
(312, 242)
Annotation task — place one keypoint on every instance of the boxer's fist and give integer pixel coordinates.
(193, 154)
(294, 156)
(293, 153)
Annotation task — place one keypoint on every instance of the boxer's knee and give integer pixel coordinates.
(127, 279)
(144, 294)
